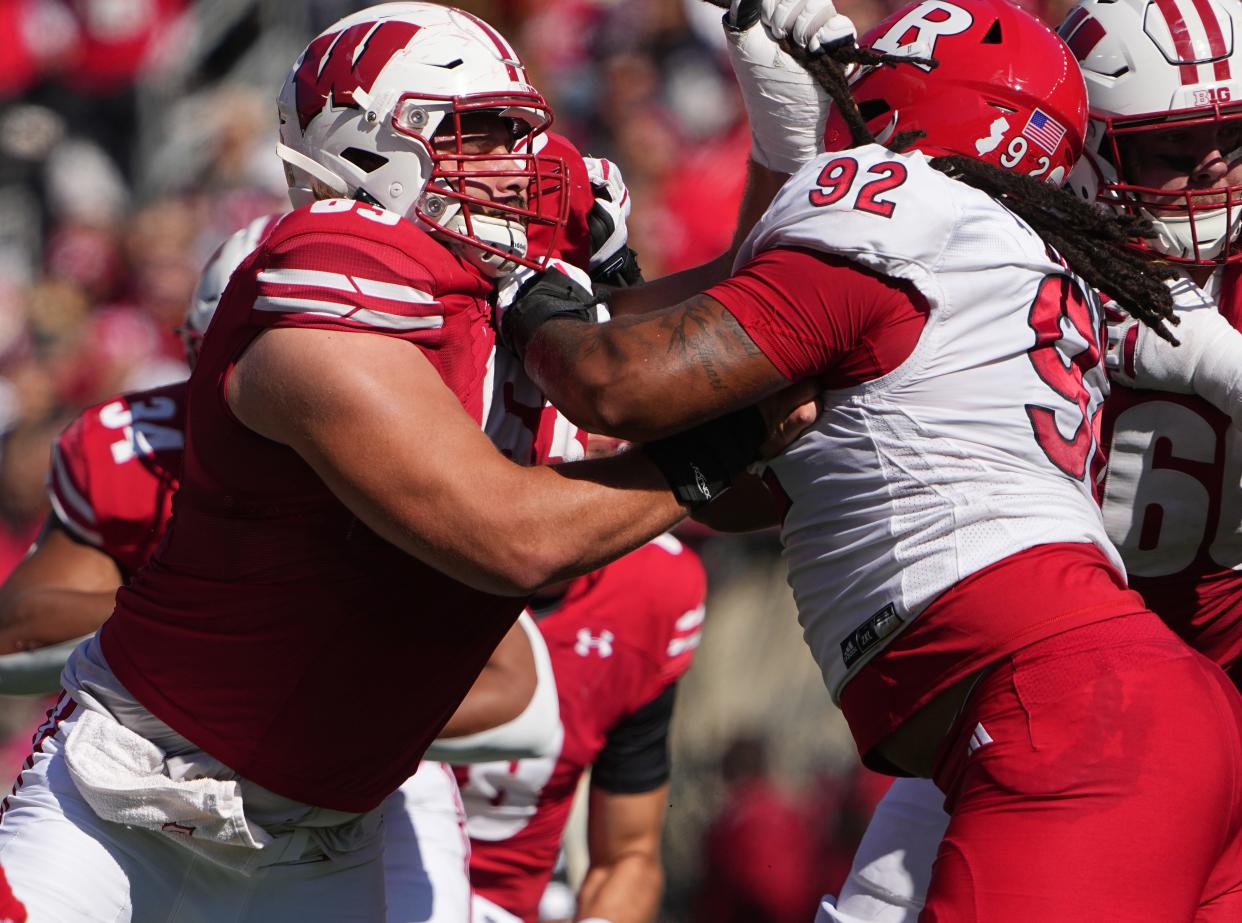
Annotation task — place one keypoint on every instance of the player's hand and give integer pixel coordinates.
(612, 262)
(527, 299)
(787, 415)
(785, 105)
(810, 24)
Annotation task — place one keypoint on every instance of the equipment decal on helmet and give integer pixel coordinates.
(917, 32)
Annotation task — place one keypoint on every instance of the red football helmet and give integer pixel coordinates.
(1007, 90)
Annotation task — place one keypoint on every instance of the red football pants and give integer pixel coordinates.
(1094, 776)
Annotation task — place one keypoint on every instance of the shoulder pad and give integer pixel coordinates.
(893, 213)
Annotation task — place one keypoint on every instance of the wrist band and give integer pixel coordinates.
(700, 464)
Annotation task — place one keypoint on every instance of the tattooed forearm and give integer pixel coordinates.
(655, 373)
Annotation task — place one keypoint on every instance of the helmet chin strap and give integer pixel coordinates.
(1176, 235)
(503, 234)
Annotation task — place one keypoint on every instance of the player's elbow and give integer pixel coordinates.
(523, 566)
(614, 401)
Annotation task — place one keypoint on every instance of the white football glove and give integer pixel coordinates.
(611, 212)
(1207, 363)
(785, 105)
(810, 24)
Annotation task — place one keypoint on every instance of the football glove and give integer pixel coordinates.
(785, 105)
(528, 299)
(612, 263)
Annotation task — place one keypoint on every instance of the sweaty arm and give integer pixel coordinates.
(789, 315)
(373, 418)
(62, 590)
(512, 711)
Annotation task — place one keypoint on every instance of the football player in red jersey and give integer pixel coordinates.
(970, 633)
(619, 640)
(347, 546)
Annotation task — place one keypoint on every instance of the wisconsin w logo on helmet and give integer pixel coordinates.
(336, 64)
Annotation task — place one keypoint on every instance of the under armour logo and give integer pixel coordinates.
(978, 738)
(587, 642)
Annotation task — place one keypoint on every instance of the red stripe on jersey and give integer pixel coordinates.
(1216, 39)
(1083, 42)
(1181, 39)
(506, 52)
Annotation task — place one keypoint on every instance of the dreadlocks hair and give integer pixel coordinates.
(1092, 242)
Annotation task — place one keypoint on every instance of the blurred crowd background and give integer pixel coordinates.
(135, 135)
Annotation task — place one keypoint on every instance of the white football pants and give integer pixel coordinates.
(68, 866)
(892, 868)
(426, 849)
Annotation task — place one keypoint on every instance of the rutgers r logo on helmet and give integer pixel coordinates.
(916, 33)
(425, 110)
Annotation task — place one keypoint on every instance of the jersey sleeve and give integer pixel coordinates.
(69, 487)
(319, 274)
(635, 756)
(811, 312)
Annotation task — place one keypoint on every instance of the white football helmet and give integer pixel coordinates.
(361, 105)
(216, 274)
(1151, 65)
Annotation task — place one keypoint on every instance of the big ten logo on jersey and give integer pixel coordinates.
(916, 34)
(1174, 485)
(143, 428)
(501, 798)
(1067, 320)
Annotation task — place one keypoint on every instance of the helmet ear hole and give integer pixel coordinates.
(993, 36)
(366, 161)
(873, 108)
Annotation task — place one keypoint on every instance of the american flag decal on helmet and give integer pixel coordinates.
(1044, 130)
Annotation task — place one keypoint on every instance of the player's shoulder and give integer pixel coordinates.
(865, 200)
(665, 590)
(344, 235)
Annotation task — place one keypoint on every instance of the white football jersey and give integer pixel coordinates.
(983, 443)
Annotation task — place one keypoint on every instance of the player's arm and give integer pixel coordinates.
(1207, 361)
(421, 474)
(63, 589)
(625, 880)
(512, 711)
(628, 795)
(643, 377)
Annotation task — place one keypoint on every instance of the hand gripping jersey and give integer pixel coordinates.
(618, 639)
(272, 628)
(1173, 496)
(980, 445)
(115, 469)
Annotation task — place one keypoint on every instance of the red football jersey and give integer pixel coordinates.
(1172, 503)
(268, 598)
(114, 471)
(617, 640)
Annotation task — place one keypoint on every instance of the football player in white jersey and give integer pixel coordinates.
(1163, 142)
(951, 567)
